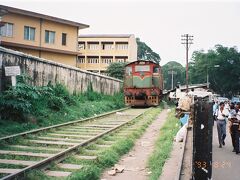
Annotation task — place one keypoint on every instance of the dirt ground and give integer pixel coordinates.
(135, 161)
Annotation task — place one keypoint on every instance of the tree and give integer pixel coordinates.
(221, 64)
(146, 53)
(178, 78)
(116, 70)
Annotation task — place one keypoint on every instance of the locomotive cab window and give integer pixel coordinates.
(155, 69)
(145, 68)
(128, 71)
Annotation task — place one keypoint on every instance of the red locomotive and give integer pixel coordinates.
(143, 83)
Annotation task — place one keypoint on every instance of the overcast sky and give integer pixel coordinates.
(158, 23)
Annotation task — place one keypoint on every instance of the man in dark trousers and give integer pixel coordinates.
(234, 127)
(238, 132)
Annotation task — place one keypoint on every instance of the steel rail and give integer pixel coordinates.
(63, 154)
(60, 125)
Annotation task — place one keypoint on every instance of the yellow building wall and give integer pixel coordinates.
(19, 21)
(102, 52)
(132, 49)
(130, 53)
(72, 34)
(57, 57)
(60, 58)
(26, 51)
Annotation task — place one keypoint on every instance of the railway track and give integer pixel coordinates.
(37, 149)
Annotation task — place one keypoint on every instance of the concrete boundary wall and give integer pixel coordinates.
(43, 71)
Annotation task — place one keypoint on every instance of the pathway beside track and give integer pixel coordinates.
(135, 161)
(225, 162)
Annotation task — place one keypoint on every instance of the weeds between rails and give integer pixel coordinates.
(107, 157)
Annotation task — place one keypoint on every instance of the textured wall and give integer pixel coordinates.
(42, 71)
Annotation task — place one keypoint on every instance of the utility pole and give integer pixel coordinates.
(187, 41)
(172, 73)
(207, 79)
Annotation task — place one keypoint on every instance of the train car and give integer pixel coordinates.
(143, 83)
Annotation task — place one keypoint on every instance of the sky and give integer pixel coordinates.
(159, 23)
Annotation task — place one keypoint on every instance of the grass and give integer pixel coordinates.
(107, 157)
(80, 110)
(26, 107)
(163, 146)
(110, 156)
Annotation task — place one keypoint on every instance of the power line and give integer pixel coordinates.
(187, 41)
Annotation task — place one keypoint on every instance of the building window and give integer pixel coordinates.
(121, 59)
(49, 37)
(7, 30)
(29, 33)
(121, 46)
(81, 60)
(107, 60)
(64, 39)
(81, 45)
(93, 46)
(107, 46)
(93, 60)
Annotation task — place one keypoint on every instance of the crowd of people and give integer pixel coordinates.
(224, 112)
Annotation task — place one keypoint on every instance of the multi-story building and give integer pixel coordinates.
(98, 51)
(40, 35)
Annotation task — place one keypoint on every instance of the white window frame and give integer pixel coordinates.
(51, 37)
(29, 28)
(81, 60)
(93, 46)
(122, 46)
(7, 30)
(93, 60)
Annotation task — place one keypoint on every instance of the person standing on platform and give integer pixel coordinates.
(221, 124)
(234, 125)
(238, 132)
(215, 108)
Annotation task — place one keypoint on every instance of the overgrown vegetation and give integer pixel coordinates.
(179, 74)
(25, 107)
(146, 53)
(220, 65)
(116, 70)
(121, 144)
(111, 155)
(163, 146)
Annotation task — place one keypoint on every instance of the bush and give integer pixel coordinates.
(24, 100)
(62, 92)
(47, 104)
(17, 102)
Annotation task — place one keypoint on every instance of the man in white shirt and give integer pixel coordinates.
(221, 115)
(227, 107)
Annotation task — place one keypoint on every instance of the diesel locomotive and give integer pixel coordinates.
(143, 83)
